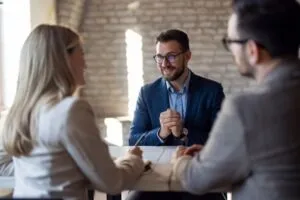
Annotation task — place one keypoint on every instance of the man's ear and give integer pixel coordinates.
(253, 52)
(188, 55)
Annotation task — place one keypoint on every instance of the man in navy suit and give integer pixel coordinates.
(177, 109)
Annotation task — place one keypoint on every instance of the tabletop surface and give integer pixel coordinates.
(156, 154)
(156, 179)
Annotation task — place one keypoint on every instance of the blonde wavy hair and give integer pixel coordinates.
(45, 78)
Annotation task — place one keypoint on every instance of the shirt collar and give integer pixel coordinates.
(185, 85)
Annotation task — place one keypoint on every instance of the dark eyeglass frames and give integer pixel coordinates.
(226, 42)
(171, 58)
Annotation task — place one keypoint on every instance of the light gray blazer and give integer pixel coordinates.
(254, 146)
(6, 161)
(70, 156)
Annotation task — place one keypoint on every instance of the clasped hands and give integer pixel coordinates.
(170, 123)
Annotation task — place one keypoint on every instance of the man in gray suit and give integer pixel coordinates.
(254, 146)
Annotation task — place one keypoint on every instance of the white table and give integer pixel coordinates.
(158, 177)
(155, 179)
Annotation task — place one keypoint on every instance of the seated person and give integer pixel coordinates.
(52, 134)
(177, 109)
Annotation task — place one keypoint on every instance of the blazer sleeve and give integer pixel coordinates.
(141, 125)
(82, 140)
(222, 162)
(6, 164)
(6, 161)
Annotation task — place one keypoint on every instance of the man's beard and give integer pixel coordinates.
(248, 73)
(176, 75)
(248, 69)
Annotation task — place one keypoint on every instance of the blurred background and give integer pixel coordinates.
(119, 42)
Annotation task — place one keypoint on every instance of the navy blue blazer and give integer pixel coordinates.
(203, 103)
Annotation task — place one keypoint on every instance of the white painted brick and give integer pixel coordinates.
(223, 59)
(190, 18)
(189, 25)
(218, 38)
(101, 21)
(213, 4)
(158, 19)
(190, 11)
(145, 19)
(226, 4)
(171, 18)
(222, 12)
(206, 24)
(107, 7)
(208, 53)
(159, 5)
(209, 31)
(205, 60)
(90, 21)
(114, 20)
(120, 6)
(109, 13)
(198, 3)
(177, 4)
(175, 25)
(128, 20)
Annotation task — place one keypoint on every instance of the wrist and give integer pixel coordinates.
(163, 134)
(183, 133)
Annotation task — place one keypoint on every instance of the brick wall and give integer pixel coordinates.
(106, 21)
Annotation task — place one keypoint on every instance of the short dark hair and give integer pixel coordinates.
(177, 35)
(274, 24)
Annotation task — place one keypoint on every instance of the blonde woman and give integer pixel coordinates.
(51, 134)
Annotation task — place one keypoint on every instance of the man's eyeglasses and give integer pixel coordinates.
(226, 42)
(171, 58)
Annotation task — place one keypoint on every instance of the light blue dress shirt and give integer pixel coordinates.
(178, 99)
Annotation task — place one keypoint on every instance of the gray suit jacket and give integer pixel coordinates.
(254, 146)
